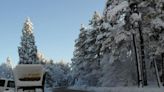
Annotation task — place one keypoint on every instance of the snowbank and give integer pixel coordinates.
(119, 89)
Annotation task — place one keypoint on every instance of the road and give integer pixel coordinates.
(66, 90)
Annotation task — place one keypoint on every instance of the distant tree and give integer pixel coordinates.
(41, 58)
(6, 70)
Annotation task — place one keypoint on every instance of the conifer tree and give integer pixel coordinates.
(109, 38)
(6, 69)
(28, 50)
(78, 61)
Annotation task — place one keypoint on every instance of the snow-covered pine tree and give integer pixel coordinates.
(114, 41)
(57, 74)
(6, 69)
(28, 50)
(92, 56)
(41, 59)
(111, 46)
(116, 50)
(78, 61)
(157, 24)
(88, 56)
(134, 18)
(149, 14)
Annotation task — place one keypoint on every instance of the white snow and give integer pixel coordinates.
(117, 8)
(120, 37)
(100, 36)
(106, 25)
(48, 89)
(28, 26)
(136, 17)
(119, 89)
(96, 16)
(125, 89)
(158, 22)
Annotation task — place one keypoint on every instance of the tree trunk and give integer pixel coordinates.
(162, 69)
(139, 77)
(134, 9)
(157, 72)
(143, 64)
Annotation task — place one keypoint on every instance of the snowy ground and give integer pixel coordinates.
(119, 89)
(48, 89)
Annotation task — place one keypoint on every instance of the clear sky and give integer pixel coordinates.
(56, 25)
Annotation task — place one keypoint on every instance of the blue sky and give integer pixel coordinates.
(56, 25)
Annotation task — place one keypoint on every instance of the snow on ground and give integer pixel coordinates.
(119, 89)
(48, 89)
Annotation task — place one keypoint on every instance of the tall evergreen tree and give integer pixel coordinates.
(86, 55)
(145, 20)
(78, 61)
(28, 50)
(134, 18)
(125, 25)
(116, 50)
